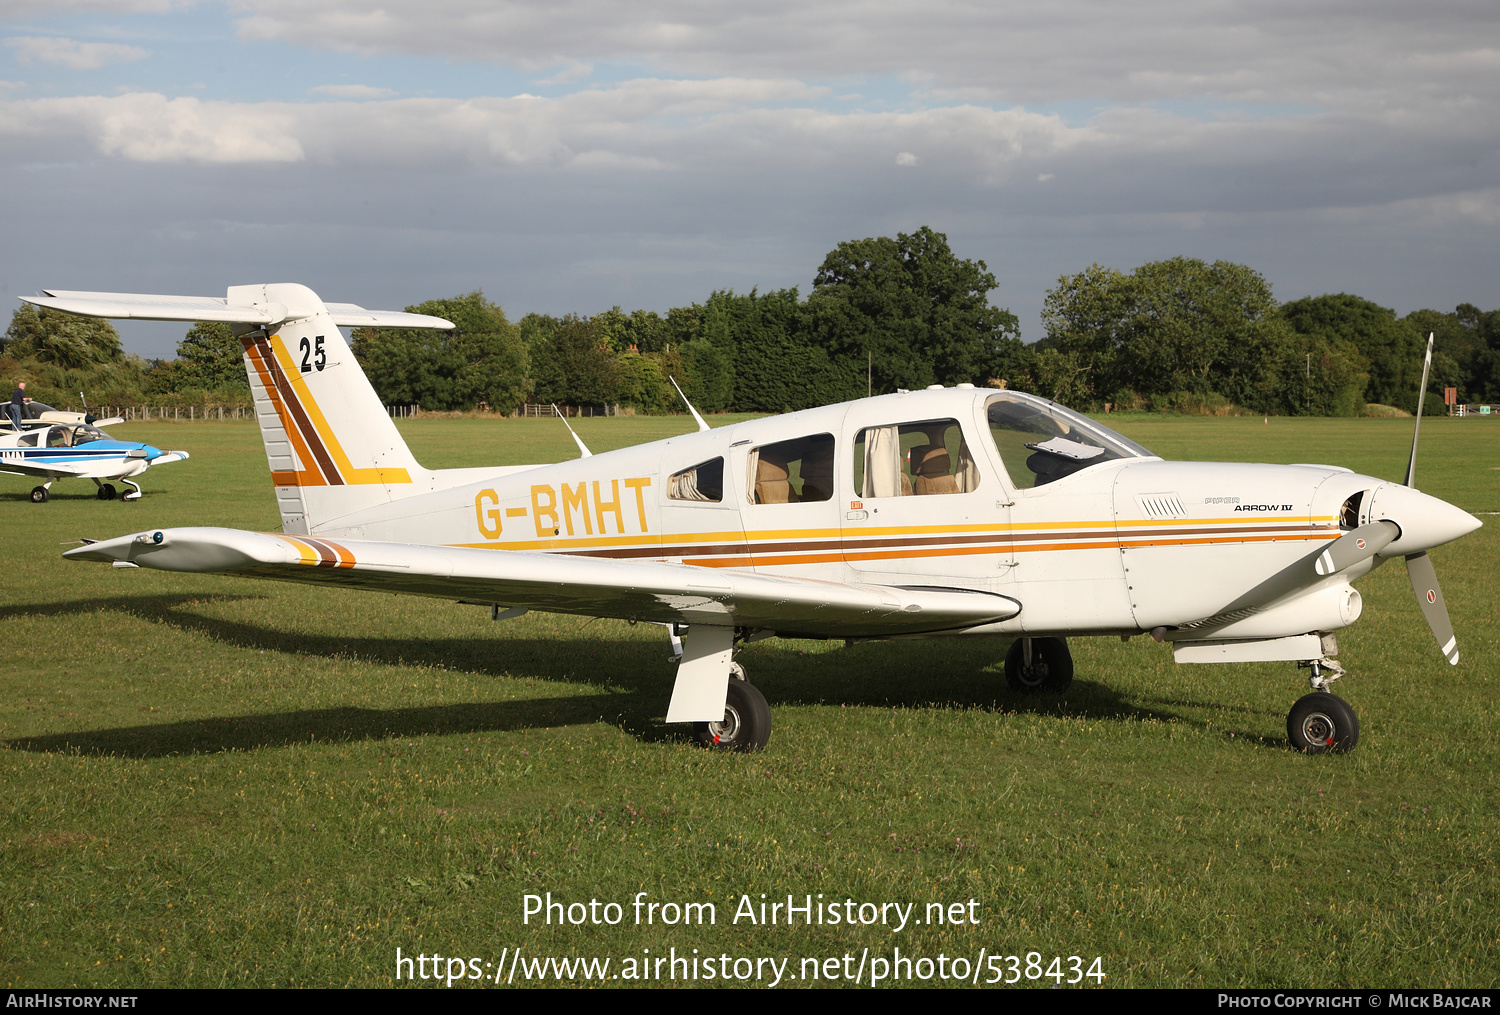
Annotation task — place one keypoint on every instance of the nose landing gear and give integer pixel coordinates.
(1322, 722)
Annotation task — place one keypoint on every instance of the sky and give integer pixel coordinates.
(573, 155)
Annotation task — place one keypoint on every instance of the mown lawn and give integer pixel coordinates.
(213, 781)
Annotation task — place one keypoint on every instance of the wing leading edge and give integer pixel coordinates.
(627, 590)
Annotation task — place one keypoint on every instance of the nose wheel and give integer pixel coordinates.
(1322, 723)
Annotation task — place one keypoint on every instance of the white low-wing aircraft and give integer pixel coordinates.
(52, 445)
(951, 512)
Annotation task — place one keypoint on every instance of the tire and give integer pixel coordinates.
(39, 495)
(1051, 669)
(106, 492)
(747, 721)
(1322, 723)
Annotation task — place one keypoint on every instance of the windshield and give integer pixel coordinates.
(1041, 442)
(84, 434)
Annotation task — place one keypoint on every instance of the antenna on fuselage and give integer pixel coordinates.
(701, 425)
(1411, 463)
(576, 440)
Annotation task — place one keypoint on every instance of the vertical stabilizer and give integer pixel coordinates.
(331, 446)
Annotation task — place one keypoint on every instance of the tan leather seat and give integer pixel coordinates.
(934, 474)
(771, 483)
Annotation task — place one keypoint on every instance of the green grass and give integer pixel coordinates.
(211, 781)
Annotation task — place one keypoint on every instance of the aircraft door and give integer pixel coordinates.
(923, 510)
(791, 509)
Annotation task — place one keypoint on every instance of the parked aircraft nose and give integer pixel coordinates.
(1425, 521)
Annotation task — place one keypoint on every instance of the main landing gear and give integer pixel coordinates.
(39, 494)
(746, 725)
(1039, 666)
(106, 491)
(1322, 722)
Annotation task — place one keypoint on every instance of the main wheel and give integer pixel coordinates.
(39, 495)
(1050, 670)
(106, 492)
(1320, 723)
(746, 725)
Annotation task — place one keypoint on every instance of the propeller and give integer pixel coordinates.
(1419, 569)
(1360, 544)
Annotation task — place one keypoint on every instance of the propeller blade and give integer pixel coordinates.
(1424, 583)
(1356, 545)
(1411, 463)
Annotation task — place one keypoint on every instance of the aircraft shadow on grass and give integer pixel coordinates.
(635, 676)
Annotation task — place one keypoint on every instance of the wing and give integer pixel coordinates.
(628, 590)
(20, 467)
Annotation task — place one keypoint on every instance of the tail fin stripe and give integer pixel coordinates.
(320, 433)
(306, 440)
(258, 354)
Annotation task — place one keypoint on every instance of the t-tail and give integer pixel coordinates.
(331, 446)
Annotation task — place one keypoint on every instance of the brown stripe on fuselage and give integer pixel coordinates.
(868, 548)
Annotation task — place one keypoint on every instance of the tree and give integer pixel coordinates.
(913, 311)
(1390, 350)
(1179, 327)
(65, 340)
(576, 367)
(209, 357)
(481, 361)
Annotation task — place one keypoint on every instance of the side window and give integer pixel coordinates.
(703, 482)
(914, 460)
(59, 437)
(792, 472)
(28, 441)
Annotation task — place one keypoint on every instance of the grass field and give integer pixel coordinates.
(213, 781)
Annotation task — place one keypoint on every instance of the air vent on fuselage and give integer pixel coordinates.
(1161, 505)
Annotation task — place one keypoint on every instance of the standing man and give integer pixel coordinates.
(17, 400)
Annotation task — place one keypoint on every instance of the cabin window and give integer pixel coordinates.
(913, 460)
(59, 437)
(703, 482)
(28, 441)
(792, 472)
(1041, 442)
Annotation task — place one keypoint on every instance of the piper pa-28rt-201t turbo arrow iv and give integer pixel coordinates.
(952, 512)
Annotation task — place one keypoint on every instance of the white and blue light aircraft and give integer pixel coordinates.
(955, 512)
(53, 445)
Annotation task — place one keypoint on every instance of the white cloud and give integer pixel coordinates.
(146, 127)
(1343, 51)
(72, 53)
(907, 159)
(352, 91)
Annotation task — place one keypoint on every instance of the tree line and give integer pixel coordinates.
(882, 314)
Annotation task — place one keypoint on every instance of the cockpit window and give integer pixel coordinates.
(59, 437)
(1041, 442)
(703, 482)
(86, 434)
